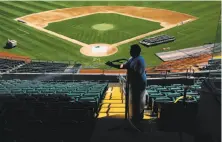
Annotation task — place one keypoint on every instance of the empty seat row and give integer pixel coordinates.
(39, 91)
(169, 94)
(38, 67)
(7, 64)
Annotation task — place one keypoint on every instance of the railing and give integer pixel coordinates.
(122, 82)
(101, 69)
(50, 61)
(163, 74)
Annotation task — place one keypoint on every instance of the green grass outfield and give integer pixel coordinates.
(124, 27)
(39, 45)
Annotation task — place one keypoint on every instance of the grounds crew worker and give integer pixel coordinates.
(136, 76)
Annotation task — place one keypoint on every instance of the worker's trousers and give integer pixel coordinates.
(136, 102)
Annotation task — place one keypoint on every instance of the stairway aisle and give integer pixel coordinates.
(111, 115)
(113, 104)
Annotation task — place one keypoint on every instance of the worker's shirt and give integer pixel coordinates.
(136, 74)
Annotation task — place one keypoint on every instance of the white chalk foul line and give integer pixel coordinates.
(58, 35)
(142, 36)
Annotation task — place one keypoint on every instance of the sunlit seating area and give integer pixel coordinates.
(42, 67)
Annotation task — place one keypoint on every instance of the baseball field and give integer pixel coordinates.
(58, 30)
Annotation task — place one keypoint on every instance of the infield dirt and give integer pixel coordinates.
(165, 17)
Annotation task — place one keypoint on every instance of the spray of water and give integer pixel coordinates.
(47, 77)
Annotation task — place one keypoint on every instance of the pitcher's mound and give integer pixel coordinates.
(98, 50)
(103, 27)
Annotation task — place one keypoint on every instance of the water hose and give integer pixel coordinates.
(182, 97)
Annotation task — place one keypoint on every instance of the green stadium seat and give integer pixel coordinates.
(195, 85)
(71, 89)
(179, 91)
(32, 91)
(174, 88)
(173, 94)
(178, 85)
(81, 89)
(192, 93)
(47, 91)
(154, 86)
(151, 91)
(155, 101)
(75, 96)
(197, 97)
(96, 95)
(199, 87)
(77, 91)
(47, 86)
(153, 95)
(96, 91)
(17, 92)
(60, 87)
(87, 99)
(161, 88)
(62, 91)
(164, 99)
(165, 91)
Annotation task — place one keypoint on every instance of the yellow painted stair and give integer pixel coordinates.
(113, 104)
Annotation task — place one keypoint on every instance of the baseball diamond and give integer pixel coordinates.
(74, 26)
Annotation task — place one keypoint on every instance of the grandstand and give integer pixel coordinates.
(213, 64)
(36, 67)
(45, 98)
(17, 66)
(52, 109)
(66, 105)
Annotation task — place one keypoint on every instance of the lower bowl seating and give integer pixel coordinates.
(168, 94)
(167, 102)
(41, 67)
(41, 108)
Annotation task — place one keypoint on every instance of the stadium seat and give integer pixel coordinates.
(152, 95)
(155, 101)
(173, 94)
(174, 88)
(152, 91)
